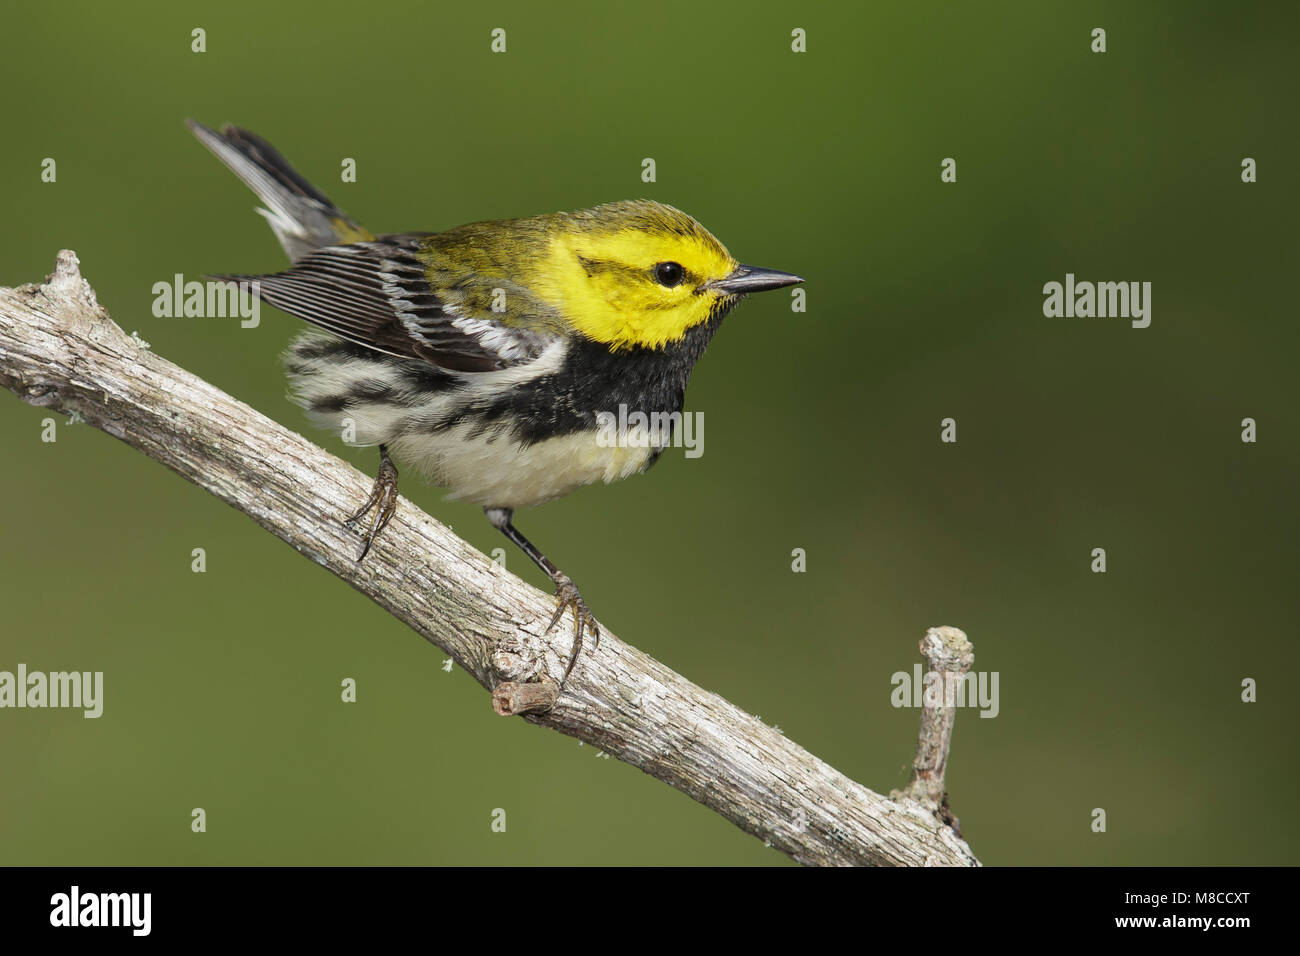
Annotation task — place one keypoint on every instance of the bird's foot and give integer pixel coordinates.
(567, 596)
(382, 501)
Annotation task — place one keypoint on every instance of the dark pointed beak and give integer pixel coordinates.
(746, 279)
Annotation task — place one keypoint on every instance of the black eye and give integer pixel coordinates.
(669, 273)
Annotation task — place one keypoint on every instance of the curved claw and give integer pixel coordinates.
(568, 596)
(383, 500)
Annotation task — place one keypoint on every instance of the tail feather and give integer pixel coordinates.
(302, 218)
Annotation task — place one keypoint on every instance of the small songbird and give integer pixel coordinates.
(484, 356)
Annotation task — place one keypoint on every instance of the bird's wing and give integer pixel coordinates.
(378, 294)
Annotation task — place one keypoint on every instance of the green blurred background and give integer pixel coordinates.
(1118, 690)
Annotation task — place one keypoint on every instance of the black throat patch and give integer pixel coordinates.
(594, 379)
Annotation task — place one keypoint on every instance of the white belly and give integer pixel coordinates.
(502, 473)
(487, 468)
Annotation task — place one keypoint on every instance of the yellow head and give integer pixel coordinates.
(639, 273)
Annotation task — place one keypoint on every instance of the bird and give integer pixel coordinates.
(483, 356)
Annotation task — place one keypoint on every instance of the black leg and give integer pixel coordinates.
(383, 499)
(566, 593)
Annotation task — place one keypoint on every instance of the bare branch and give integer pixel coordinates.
(948, 655)
(60, 350)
